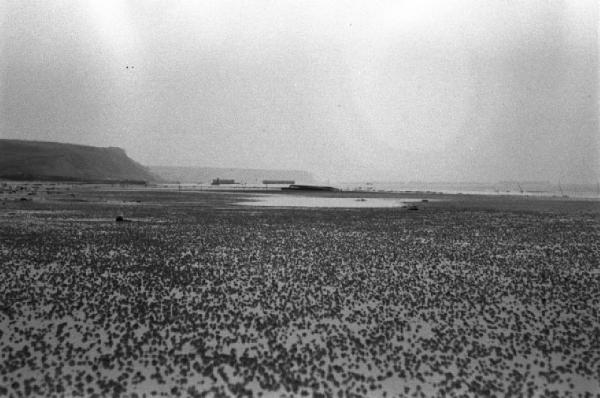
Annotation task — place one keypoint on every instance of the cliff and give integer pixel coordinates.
(38, 160)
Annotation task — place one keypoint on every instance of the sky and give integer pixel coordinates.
(399, 90)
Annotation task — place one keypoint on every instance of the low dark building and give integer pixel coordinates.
(279, 182)
(219, 181)
(295, 187)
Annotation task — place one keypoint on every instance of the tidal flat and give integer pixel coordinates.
(200, 296)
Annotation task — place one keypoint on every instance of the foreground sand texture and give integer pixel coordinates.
(201, 297)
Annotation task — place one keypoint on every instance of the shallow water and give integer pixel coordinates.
(317, 201)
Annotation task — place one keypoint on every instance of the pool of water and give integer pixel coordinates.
(316, 201)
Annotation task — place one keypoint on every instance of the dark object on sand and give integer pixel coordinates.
(24, 199)
(279, 182)
(296, 187)
(221, 181)
(413, 207)
(424, 200)
(121, 219)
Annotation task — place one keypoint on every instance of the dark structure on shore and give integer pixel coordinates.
(295, 187)
(279, 182)
(219, 181)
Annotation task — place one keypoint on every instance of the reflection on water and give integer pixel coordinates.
(316, 201)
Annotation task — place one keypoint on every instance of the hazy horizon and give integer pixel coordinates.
(349, 91)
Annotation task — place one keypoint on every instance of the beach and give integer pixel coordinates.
(199, 295)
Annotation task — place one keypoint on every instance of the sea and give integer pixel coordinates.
(545, 189)
(579, 191)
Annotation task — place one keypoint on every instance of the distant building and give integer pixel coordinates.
(219, 181)
(278, 182)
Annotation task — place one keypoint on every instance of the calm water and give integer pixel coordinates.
(315, 201)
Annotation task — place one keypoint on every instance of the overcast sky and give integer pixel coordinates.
(379, 90)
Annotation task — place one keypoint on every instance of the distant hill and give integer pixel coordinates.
(249, 176)
(38, 160)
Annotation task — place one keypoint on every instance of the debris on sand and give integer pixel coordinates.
(458, 300)
(122, 219)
